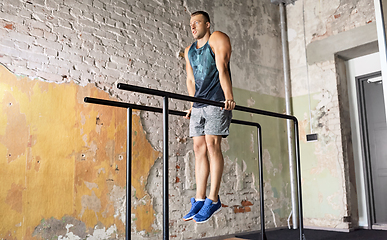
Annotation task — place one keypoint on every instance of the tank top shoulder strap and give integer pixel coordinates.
(210, 48)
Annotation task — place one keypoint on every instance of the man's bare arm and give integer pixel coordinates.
(220, 43)
(190, 79)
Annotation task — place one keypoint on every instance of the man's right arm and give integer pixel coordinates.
(190, 79)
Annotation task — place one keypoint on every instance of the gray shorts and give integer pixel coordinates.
(209, 120)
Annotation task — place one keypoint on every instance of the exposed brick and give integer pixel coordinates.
(36, 32)
(62, 71)
(87, 2)
(99, 11)
(5, 59)
(114, 30)
(75, 74)
(63, 13)
(98, 4)
(65, 23)
(118, 17)
(50, 52)
(122, 67)
(87, 45)
(76, 5)
(88, 60)
(50, 36)
(149, 27)
(9, 26)
(39, 25)
(120, 60)
(65, 32)
(98, 55)
(129, 14)
(49, 44)
(9, 17)
(60, 62)
(21, 37)
(34, 65)
(17, 4)
(88, 76)
(36, 49)
(139, 64)
(108, 7)
(86, 14)
(239, 210)
(98, 18)
(38, 2)
(7, 42)
(246, 203)
(100, 48)
(51, 4)
(111, 73)
(107, 42)
(81, 67)
(21, 69)
(112, 65)
(34, 56)
(121, 4)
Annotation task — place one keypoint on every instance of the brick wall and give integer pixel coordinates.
(141, 43)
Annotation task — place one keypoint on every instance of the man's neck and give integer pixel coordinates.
(202, 41)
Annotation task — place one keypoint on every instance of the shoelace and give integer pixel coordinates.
(205, 208)
(194, 205)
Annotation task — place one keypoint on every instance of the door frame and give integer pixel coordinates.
(365, 148)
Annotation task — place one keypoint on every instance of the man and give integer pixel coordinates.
(208, 77)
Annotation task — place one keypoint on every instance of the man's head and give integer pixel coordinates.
(200, 24)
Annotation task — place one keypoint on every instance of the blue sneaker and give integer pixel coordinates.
(207, 211)
(196, 206)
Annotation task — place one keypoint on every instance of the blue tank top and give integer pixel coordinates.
(207, 84)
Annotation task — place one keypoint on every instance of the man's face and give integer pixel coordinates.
(199, 27)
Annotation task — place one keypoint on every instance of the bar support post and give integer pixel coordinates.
(298, 168)
(261, 192)
(165, 170)
(128, 172)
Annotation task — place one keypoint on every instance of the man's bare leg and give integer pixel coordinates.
(202, 166)
(216, 164)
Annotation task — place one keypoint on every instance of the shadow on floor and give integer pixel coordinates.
(286, 234)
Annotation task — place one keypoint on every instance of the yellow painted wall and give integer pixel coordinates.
(63, 159)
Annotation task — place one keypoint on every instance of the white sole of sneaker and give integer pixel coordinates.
(188, 219)
(210, 217)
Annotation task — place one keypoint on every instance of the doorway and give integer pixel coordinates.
(374, 146)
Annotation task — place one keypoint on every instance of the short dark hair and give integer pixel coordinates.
(205, 15)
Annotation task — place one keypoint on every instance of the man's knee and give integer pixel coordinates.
(200, 147)
(213, 145)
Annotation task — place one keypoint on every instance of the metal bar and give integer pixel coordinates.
(262, 198)
(298, 168)
(260, 170)
(151, 109)
(133, 88)
(128, 172)
(240, 108)
(251, 110)
(128, 105)
(165, 170)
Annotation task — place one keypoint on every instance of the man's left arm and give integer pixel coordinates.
(221, 45)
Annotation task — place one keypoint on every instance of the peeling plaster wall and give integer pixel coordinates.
(65, 160)
(320, 102)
